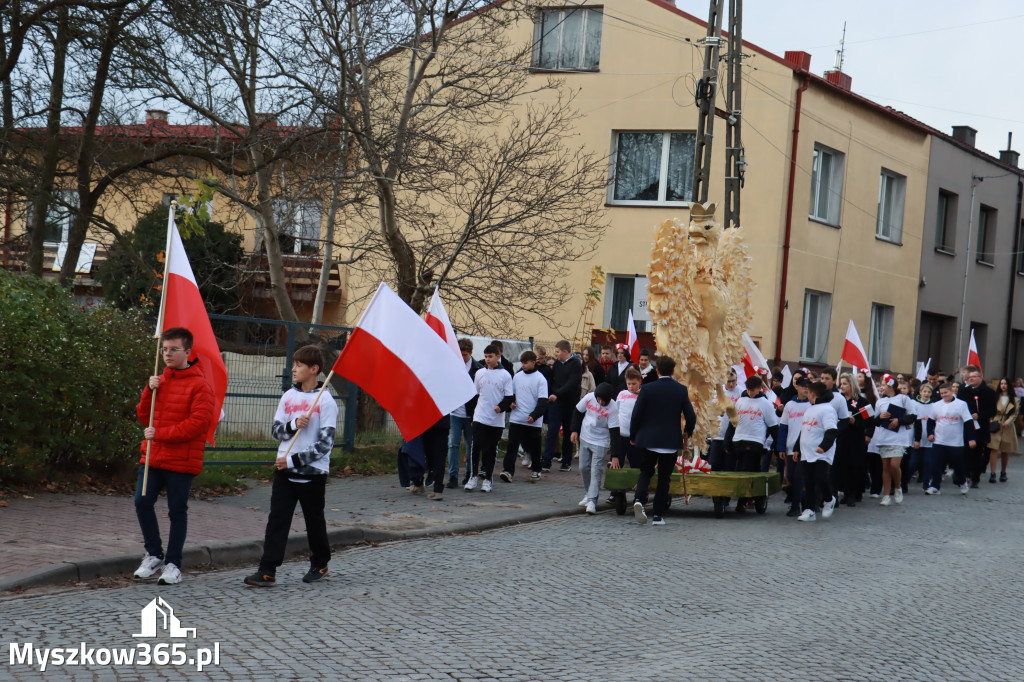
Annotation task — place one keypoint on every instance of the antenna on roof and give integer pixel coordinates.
(841, 52)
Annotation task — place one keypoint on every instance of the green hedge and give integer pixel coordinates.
(70, 379)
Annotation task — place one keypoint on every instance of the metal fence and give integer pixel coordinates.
(258, 355)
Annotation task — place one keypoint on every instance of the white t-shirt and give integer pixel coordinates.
(625, 402)
(793, 418)
(492, 385)
(949, 422)
(903, 437)
(924, 413)
(817, 420)
(723, 421)
(295, 403)
(528, 388)
(838, 404)
(597, 419)
(756, 415)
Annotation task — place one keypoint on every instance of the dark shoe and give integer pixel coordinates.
(849, 502)
(315, 574)
(565, 467)
(793, 511)
(453, 482)
(261, 579)
(505, 476)
(1002, 477)
(974, 484)
(992, 477)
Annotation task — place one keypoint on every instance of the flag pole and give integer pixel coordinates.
(156, 334)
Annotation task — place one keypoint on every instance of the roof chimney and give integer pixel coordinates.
(1008, 156)
(965, 134)
(156, 116)
(799, 60)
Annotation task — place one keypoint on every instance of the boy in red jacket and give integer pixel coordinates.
(181, 419)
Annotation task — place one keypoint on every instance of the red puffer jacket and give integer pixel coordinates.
(184, 408)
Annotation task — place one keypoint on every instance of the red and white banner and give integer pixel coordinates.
(181, 305)
(437, 319)
(853, 349)
(753, 360)
(698, 465)
(632, 340)
(405, 365)
(972, 354)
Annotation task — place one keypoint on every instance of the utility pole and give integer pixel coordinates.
(735, 160)
(706, 88)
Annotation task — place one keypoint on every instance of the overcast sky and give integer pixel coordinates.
(944, 62)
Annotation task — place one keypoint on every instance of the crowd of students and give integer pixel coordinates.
(834, 438)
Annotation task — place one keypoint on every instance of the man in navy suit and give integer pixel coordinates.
(657, 431)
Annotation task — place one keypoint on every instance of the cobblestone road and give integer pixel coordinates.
(929, 590)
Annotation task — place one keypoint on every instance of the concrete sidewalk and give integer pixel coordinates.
(50, 539)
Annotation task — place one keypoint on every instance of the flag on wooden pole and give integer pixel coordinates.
(972, 354)
(853, 349)
(632, 340)
(437, 319)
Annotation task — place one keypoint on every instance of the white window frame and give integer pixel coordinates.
(56, 210)
(298, 218)
(666, 145)
(892, 196)
(883, 320)
(641, 314)
(590, 14)
(834, 189)
(814, 337)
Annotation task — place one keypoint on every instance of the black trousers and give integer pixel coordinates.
(743, 455)
(875, 470)
(816, 485)
(666, 463)
(284, 494)
(486, 438)
(527, 436)
(435, 450)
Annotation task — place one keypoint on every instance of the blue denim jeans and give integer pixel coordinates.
(939, 457)
(178, 486)
(461, 427)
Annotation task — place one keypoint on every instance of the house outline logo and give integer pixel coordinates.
(159, 615)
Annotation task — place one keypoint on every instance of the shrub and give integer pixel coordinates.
(70, 379)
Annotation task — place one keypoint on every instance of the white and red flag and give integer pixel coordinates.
(698, 465)
(396, 357)
(632, 340)
(753, 360)
(853, 349)
(972, 354)
(437, 319)
(181, 305)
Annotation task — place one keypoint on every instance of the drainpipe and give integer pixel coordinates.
(1015, 259)
(789, 218)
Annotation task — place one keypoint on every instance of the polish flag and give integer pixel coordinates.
(396, 357)
(922, 372)
(181, 305)
(753, 360)
(437, 319)
(787, 376)
(853, 349)
(972, 354)
(632, 340)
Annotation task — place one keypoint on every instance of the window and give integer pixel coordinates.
(945, 222)
(59, 214)
(817, 315)
(568, 39)
(628, 293)
(826, 184)
(986, 235)
(892, 189)
(298, 222)
(653, 167)
(880, 350)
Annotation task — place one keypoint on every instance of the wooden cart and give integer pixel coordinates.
(718, 485)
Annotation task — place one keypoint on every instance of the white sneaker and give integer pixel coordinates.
(591, 508)
(828, 508)
(471, 483)
(874, 495)
(899, 495)
(964, 488)
(807, 515)
(583, 502)
(170, 576)
(932, 490)
(486, 485)
(638, 512)
(527, 461)
(886, 501)
(148, 568)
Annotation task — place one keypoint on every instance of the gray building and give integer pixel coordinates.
(972, 270)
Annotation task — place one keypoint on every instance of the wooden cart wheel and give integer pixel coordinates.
(620, 503)
(761, 504)
(719, 506)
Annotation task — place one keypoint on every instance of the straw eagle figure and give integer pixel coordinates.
(699, 298)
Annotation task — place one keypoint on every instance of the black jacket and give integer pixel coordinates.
(565, 381)
(656, 421)
(980, 401)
